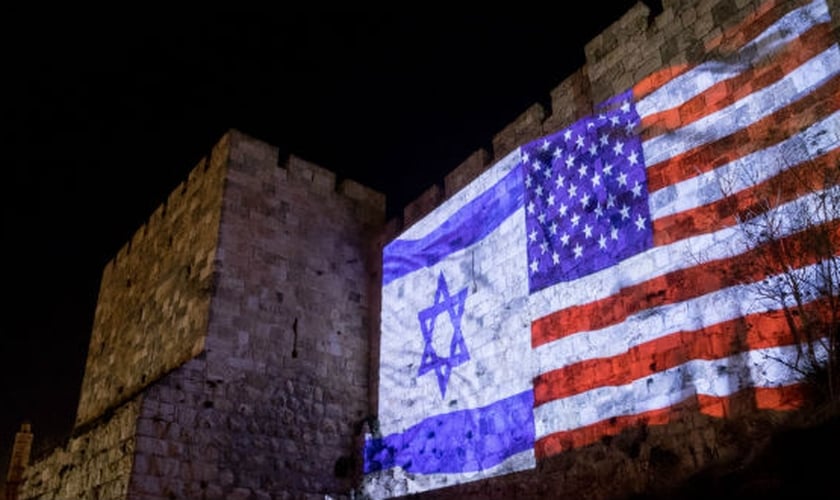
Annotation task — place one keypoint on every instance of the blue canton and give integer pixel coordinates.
(586, 200)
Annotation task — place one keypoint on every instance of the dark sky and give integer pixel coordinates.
(104, 113)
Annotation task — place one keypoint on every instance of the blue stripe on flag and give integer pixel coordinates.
(471, 223)
(461, 441)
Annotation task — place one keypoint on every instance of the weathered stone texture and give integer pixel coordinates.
(274, 406)
(154, 297)
(235, 333)
(95, 465)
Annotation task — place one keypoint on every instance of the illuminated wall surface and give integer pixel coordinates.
(581, 285)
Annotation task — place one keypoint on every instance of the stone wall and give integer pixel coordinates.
(274, 406)
(230, 353)
(644, 460)
(93, 465)
(151, 313)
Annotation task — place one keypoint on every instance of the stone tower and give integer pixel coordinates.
(229, 353)
(20, 460)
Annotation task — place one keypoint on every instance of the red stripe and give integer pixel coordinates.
(807, 177)
(726, 92)
(754, 24)
(750, 266)
(754, 331)
(774, 398)
(770, 130)
(732, 40)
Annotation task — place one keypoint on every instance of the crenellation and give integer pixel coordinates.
(236, 342)
(469, 169)
(569, 100)
(423, 204)
(526, 127)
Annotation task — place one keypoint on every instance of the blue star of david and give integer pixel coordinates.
(443, 365)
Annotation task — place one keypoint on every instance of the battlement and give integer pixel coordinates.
(155, 293)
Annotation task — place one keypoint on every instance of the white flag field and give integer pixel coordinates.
(600, 277)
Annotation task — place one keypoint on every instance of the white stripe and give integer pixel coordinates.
(697, 80)
(793, 86)
(651, 324)
(659, 261)
(474, 189)
(746, 171)
(396, 482)
(771, 367)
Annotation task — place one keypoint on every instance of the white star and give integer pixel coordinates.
(562, 210)
(590, 125)
(610, 200)
(579, 141)
(602, 242)
(596, 179)
(531, 207)
(560, 180)
(578, 251)
(538, 190)
(565, 239)
(553, 229)
(622, 179)
(582, 170)
(545, 145)
(537, 165)
(528, 181)
(608, 169)
(602, 116)
(618, 148)
(584, 200)
(534, 266)
(532, 236)
(604, 139)
(630, 126)
(541, 217)
(637, 190)
(570, 161)
(557, 152)
(614, 233)
(543, 247)
(555, 258)
(598, 211)
(547, 171)
(640, 222)
(593, 149)
(587, 231)
(625, 106)
(625, 212)
(575, 220)
(572, 191)
(525, 158)
(614, 120)
(568, 134)
(550, 200)
(633, 157)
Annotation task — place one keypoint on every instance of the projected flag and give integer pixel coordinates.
(596, 278)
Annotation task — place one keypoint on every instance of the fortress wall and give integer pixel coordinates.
(151, 314)
(640, 459)
(276, 403)
(94, 465)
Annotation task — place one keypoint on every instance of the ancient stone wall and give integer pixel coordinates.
(275, 404)
(93, 465)
(151, 313)
(640, 47)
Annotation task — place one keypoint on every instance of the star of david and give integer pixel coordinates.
(458, 354)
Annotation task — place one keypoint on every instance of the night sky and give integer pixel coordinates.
(105, 113)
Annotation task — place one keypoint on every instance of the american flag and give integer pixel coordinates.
(648, 298)
(599, 277)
